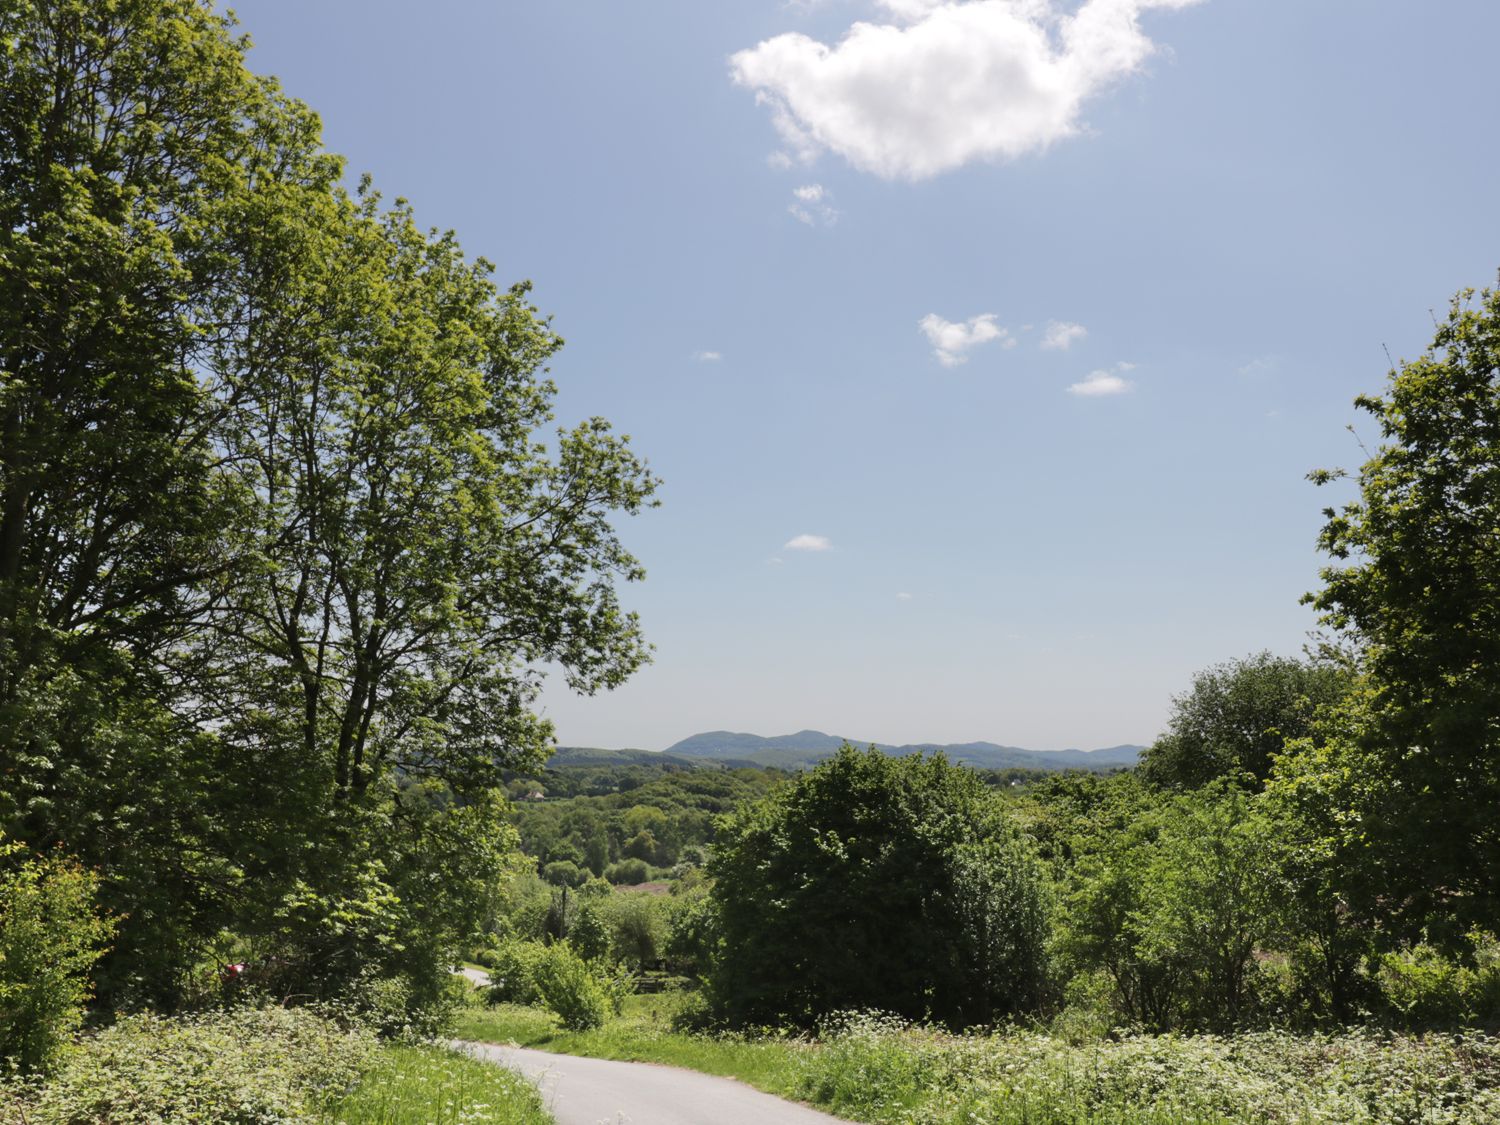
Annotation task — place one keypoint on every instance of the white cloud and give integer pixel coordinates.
(1060, 335)
(813, 205)
(903, 597)
(1262, 366)
(779, 160)
(808, 543)
(1099, 383)
(946, 83)
(950, 341)
(708, 357)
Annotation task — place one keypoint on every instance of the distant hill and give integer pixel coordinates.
(809, 747)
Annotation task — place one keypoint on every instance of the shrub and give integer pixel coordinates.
(1175, 906)
(1424, 988)
(50, 936)
(572, 988)
(513, 973)
(243, 1067)
(628, 872)
(638, 927)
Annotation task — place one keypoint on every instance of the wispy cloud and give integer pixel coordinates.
(1097, 384)
(708, 357)
(951, 341)
(1262, 365)
(1060, 335)
(812, 204)
(808, 543)
(943, 84)
(903, 597)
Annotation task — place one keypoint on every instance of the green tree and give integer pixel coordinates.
(1174, 907)
(876, 882)
(132, 141)
(284, 545)
(1414, 781)
(1237, 717)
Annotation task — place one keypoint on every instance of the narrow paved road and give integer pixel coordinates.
(582, 1091)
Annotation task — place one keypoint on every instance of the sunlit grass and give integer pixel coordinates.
(435, 1086)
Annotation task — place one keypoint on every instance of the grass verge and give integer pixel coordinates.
(643, 1034)
(885, 1072)
(429, 1085)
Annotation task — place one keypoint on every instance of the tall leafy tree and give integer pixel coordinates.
(877, 882)
(284, 549)
(1414, 779)
(1237, 716)
(130, 132)
(423, 555)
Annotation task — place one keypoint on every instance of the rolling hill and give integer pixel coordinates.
(808, 747)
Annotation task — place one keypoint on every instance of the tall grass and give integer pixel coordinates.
(885, 1072)
(429, 1085)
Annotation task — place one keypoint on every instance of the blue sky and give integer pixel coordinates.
(811, 256)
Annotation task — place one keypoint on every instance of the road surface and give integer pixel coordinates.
(582, 1091)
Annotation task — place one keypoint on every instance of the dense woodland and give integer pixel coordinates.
(287, 537)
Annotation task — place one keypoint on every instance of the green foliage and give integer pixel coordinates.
(692, 933)
(877, 1070)
(1415, 778)
(637, 926)
(1174, 908)
(1236, 718)
(564, 873)
(284, 546)
(628, 872)
(1425, 988)
(884, 882)
(241, 1067)
(513, 968)
(572, 988)
(621, 821)
(51, 933)
(589, 933)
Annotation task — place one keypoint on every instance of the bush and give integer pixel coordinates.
(1424, 988)
(875, 1069)
(513, 973)
(243, 1067)
(628, 872)
(638, 927)
(1174, 908)
(50, 936)
(572, 988)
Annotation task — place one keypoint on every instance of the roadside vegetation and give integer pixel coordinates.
(879, 1069)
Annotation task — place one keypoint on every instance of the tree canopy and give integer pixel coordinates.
(1237, 716)
(1415, 583)
(876, 882)
(285, 544)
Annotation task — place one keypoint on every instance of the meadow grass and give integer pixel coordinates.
(431, 1085)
